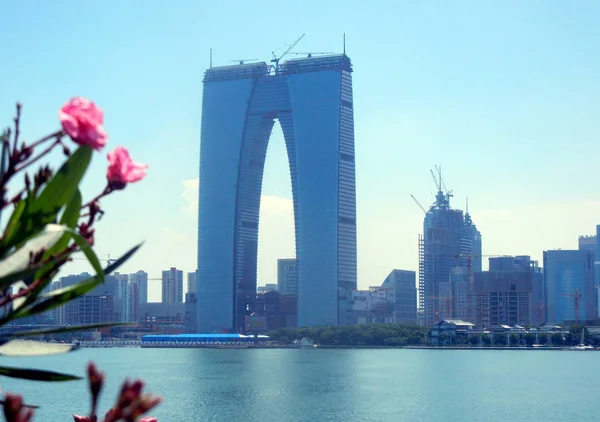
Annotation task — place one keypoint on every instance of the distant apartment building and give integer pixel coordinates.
(97, 306)
(123, 298)
(192, 278)
(141, 279)
(403, 283)
(569, 282)
(287, 276)
(511, 293)
(134, 303)
(172, 286)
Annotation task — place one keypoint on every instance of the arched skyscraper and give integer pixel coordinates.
(312, 99)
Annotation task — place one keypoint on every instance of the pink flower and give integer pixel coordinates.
(122, 169)
(82, 120)
(148, 419)
(79, 418)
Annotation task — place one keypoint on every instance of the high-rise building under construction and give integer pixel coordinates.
(449, 255)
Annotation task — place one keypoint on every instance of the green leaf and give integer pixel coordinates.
(59, 297)
(18, 262)
(69, 219)
(10, 279)
(56, 298)
(120, 261)
(68, 329)
(60, 189)
(54, 197)
(14, 219)
(72, 212)
(88, 252)
(33, 348)
(36, 374)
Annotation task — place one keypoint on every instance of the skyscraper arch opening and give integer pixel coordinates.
(276, 232)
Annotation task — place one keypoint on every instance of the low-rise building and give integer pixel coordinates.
(446, 331)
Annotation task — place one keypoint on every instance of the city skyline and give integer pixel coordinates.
(517, 110)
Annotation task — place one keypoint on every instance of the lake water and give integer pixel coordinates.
(332, 385)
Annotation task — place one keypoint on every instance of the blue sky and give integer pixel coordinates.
(504, 95)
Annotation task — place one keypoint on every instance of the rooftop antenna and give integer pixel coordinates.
(211, 58)
(344, 43)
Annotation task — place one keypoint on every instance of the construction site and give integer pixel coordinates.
(449, 254)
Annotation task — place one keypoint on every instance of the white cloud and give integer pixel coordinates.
(276, 229)
(268, 203)
(190, 196)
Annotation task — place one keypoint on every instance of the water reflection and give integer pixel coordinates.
(331, 385)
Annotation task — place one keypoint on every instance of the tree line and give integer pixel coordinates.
(392, 335)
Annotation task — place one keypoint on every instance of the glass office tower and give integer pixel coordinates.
(312, 99)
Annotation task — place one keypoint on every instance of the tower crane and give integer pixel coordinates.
(439, 171)
(276, 59)
(469, 257)
(447, 303)
(576, 296)
(418, 203)
(540, 308)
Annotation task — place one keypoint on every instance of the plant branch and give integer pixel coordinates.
(45, 152)
(17, 126)
(58, 135)
(107, 190)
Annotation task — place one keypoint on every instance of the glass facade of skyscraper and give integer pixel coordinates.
(567, 274)
(312, 99)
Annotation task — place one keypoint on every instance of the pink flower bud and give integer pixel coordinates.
(82, 120)
(148, 419)
(122, 169)
(14, 410)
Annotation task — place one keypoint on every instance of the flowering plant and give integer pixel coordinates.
(49, 223)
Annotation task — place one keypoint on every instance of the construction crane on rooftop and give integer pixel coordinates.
(439, 171)
(448, 302)
(276, 58)
(418, 203)
(540, 309)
